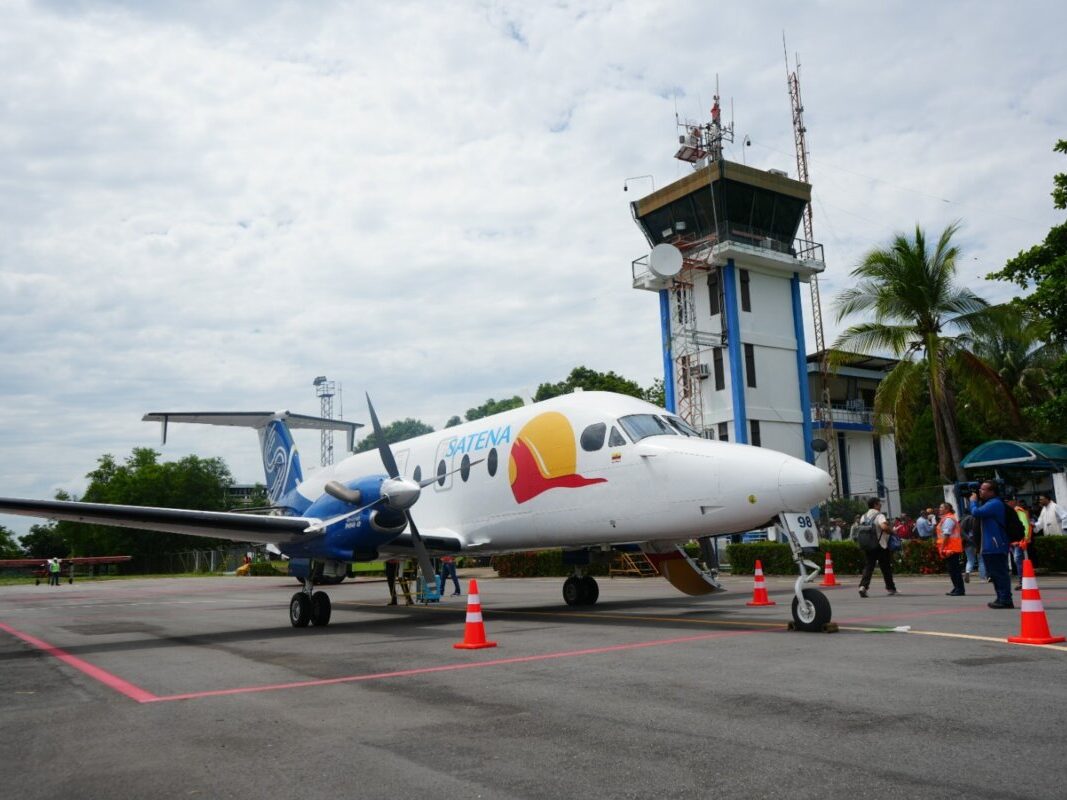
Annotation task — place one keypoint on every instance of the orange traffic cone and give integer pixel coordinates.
(1034, 622)
(759, 589)
(828, 573)
(474, 634)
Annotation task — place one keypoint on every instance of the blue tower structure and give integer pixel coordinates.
(735, 362)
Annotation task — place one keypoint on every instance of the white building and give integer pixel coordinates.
(734, 355)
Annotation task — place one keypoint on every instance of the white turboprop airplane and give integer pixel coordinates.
(588, 472)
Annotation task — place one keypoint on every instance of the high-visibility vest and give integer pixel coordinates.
(947, 545)
(53, 566)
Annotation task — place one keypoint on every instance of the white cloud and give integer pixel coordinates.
(205, 205)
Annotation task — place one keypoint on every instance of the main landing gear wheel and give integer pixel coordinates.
(813, 613)
(590, 590)
(580, 591)
(300, 610)
(320, 609)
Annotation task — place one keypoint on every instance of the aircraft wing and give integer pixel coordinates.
(436, 541)
(212, 524)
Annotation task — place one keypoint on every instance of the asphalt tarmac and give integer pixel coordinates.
(200, 688)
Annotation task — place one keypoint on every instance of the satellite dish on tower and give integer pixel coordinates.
(665, 260)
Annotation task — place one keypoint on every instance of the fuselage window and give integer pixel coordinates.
(442, 470)
(593, 437)
(615, 439)
(417, 475)
(491, 462)
(465, 467)
(638, 426)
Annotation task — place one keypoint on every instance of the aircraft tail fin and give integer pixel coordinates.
(281, 462)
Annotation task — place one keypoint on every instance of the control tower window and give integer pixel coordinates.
(713, 291)
(593, 437)
(638, 426)
(746, 295)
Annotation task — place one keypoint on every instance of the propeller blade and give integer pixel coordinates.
(429, 577)
(383, 446)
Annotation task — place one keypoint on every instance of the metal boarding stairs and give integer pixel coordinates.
(633, 565)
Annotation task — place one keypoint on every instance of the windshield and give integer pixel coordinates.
(683, 427)
(638, 426)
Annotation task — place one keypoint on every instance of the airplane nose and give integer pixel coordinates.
(801, 485)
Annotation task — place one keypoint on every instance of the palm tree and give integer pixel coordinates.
(918, 313)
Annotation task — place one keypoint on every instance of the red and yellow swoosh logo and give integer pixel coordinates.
(545, 457)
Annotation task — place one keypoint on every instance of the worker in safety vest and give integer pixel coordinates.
(1021, 550)
(53, 571)
(950, 546)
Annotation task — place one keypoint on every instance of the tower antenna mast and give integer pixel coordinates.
(824, 411)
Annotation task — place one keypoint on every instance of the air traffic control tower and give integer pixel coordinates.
(728, 269)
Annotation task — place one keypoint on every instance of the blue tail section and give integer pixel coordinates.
(281, 463)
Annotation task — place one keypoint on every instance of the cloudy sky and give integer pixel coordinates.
(204, 205)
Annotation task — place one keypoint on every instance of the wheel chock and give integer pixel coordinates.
(829, 627)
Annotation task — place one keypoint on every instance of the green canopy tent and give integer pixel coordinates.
(1036, 456)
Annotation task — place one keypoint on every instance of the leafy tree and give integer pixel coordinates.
(655, 394)
(911, 292)
(395, 432)
(44, 541)
(591, 381)
(1044, 267)
(142, 480)
(9, 547)
(491, 406)
(453, 421)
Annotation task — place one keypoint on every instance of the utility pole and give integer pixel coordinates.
(824, 412)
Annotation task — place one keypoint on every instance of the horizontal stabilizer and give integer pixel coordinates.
(255, 419)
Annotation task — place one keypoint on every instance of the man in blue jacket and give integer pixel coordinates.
(989, 509)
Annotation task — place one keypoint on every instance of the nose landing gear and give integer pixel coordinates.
(811, 608)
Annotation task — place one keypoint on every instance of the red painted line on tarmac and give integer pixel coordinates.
(108, 679)
(450, 667)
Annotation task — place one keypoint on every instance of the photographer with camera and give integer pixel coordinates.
(990, 510)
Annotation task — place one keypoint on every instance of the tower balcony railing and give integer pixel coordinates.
(846, 413)
(698, 247)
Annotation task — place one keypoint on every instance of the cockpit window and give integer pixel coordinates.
(615, 439)
(638, 426)
(682, 426)
(593, 437)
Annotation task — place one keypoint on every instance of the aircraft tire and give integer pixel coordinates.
(590, 590)
(300, 610)
(815, 614)
(572, 591)
(321, 609)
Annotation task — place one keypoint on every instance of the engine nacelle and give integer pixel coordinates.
(357, 537)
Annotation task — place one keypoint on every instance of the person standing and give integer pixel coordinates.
(950, 546)
(925, 524)
(990, 510)
(879, 556)
(391, 566)
(448, 570)
(53, 571)
(1020, 550)
(1050, 520)
(971, 533)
